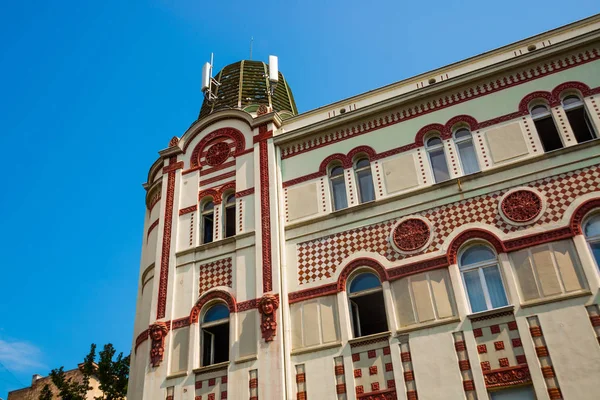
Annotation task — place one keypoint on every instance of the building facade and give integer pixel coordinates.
(38, 382)
(435, 238)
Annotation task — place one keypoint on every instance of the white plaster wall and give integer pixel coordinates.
(185, 289)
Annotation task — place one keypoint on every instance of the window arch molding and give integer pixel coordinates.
(472, 236)
(358, 266)
(363, 176)
(460, 121)
(581, 213)
(571, 87)
(209, 299)
(230, 133)
(427, 131)
(531, 98)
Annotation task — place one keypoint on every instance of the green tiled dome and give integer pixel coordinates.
(244, 84)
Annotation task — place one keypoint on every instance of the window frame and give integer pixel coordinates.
(226, 207)
(211, 324)
(357, 170)
(480, 266)
(458, 141)
(594, 239)
(579, 105)
(548, 114)
(431, 148)
(341, 177)
(353, 307)
(205, 213)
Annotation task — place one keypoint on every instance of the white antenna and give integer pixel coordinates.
(273, 73)
(251, 42)
(209, 84)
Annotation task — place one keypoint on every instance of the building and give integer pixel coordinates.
(435, 238)
(38, 382)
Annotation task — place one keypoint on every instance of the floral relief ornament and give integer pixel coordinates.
(158, 332)
(217, 154)
(411, 234)
(267, 306)
(521, 206)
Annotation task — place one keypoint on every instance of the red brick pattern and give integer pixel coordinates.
(320, 258)
(216, 273)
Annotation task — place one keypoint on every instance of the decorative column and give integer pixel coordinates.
(544, 358)
(464, 365)
(407, 367)
(340, 378)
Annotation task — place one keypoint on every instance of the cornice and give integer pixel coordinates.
(422, 93)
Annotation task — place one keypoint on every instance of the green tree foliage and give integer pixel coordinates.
(112, 374)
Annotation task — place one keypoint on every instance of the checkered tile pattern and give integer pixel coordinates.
(216, 273)
(318, 259)
(371, 373)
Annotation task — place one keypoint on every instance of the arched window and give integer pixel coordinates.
(229, 222)
(437, 159)
(482, 278)
(578, 118)
(215, 335)
(546, 128)
(366, 191)
(591, 230)
(338, 187)
(466, 151)
(208, 220)
(367, 307)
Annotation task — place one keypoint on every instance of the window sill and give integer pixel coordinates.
(489, 314)
(242, 360)
(313, 349)
(211, 368)
(216, 243)
(554, 299)
(177, 375)
(427, 325)
(359, 341)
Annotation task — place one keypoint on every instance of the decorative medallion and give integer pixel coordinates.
(217, 154)
(262, 110)
(158, 331)
(174, 141)
(267, 306)
(411, 234)
(521, 206)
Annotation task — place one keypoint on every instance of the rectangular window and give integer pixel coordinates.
(548, 134)
(339, 194)
(519, 393)
(230, 221)
(468, 158)
(207, 228)
(365, 186)
(424, 297)
(547, 270)
(439, 166)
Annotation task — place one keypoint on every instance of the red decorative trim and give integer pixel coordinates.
(481, 234)
(360, 263)
(217, 178)
(412, 395)
(524, 103)
(265, 208)
(166, 244)
(468, 385)
(516, 342)
(267, 307)
(512, 326)
(180, 323)
(464, 365)
(174, 141)
(210, 296)
(495, 329)
(491, 316)
(499, 345)
(409, 376)
(542, 351)
(515, 79)
(142, 337)
(460, 346)
(262, 136)
(522, 205)
(358, 373)
(521, 359)
(155, 199)
(405, 357)
(209, 171)
(213, 192)
(548, 372)
(416, 267)
(245, 192)
(481, 348)
(158, 332)
(188, 210)
(459, 119)
(172, 167)
(339, 370)
(555, 394)
(579, 86)
(356, 357)
(151, 227)
(580, 213)
(538, 238)
(253, 383)
(485, 366)
(477, 332)
(217, 154)
(536, 331)
(369, 342)
(420, 136)
(235, 135)
(507, 376)
(340, 388)
(307, 294)
(247, 305)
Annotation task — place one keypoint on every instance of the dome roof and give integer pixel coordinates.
(244, 84)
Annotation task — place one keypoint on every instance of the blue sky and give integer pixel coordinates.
(90, 91)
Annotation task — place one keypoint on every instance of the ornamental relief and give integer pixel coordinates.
(521, 206)
(411, 234)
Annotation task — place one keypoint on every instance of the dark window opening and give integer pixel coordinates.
(215, 344)
(581, 125)
(207, 228)
(368, 314)
(229, 221)
(548, 134)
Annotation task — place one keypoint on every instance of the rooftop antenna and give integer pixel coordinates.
(251, 41)
(273, 73)
(209, 84)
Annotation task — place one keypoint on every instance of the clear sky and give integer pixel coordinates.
(90, 91)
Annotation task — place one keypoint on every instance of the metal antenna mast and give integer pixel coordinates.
(251, 41)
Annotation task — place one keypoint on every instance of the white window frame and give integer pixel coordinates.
(547, 114)
(226, 206)
(458, 141)
(341, 177)
(204, 325)
(429, 149)
(361, 169)
(480, 266)
(353, 306)
(580, 104)
(204, 213)
(593, 239)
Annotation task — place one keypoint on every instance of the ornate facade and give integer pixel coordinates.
(435, 238)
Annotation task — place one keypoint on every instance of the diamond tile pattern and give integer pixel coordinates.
(318, 259)
(216, 273)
